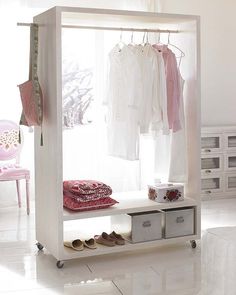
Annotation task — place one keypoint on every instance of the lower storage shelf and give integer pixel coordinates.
(102, 250)
(183, 224)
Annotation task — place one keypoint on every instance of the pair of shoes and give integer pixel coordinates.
(109, 240)
(79, 245)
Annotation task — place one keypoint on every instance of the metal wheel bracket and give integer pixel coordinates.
(60, 264)
(193, 244)
(39, 246)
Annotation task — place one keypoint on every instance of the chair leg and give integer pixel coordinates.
(27, 197)
(18, 192)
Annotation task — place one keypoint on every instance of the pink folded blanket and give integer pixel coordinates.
(82, 195)
(86, 187)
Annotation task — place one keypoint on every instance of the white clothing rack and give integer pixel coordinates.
(50, 216)
(111, 28)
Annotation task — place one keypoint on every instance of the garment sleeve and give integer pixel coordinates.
(163, 95)
(156, 116)
(176, 93)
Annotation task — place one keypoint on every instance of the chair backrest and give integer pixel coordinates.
(10, 147)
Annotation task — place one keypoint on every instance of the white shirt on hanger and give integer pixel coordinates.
(123, 99)
(153, 104)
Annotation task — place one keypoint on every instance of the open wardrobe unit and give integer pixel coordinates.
(179, 221)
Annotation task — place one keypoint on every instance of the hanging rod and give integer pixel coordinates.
(111, 28)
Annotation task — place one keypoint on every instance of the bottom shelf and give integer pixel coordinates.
(102, 250)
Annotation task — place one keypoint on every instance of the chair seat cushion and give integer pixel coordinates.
(13, 172)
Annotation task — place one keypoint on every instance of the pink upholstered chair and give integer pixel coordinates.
(10, 148)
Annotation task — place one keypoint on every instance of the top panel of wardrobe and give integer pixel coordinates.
(108, 17)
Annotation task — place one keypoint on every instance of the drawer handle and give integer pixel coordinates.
(147, 223)
(208, 192)
(208, 171)
(180, 219)
(207, 150)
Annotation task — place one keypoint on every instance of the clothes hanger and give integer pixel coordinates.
(159, 38)
(132, 39)
(143, 42)
(158, 42)
(182, 54)
(147, 41)
(121, 44)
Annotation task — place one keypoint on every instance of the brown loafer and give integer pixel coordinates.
(105, 239)
(119, 240)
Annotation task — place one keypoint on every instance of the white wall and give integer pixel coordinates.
(218, 51)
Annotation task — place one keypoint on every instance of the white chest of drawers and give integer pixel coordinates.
(218, 162)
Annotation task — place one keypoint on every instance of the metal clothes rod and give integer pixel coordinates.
(111, 28)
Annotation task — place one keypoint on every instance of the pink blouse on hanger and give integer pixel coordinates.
(172, 85)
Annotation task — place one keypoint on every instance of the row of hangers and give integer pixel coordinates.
(145, 41)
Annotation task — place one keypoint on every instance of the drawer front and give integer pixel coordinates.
(230, 141)
(230, 182)
(211, 164)
(211, 143)
(179, 223)
(146, 227)
(230, 162)
(212, 184)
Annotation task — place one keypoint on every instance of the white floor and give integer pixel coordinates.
(178, 269)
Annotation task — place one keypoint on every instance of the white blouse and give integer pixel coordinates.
(123, 99)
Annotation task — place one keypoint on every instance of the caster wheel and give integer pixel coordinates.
(40, 246)
(193, 244)
(60, 264)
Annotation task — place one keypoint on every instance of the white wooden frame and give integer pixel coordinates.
(48, 158)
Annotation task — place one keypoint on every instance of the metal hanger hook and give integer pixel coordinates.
(168, 37)
(144, 34)
(132, 37)
(121, 32)
(147, 37)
